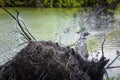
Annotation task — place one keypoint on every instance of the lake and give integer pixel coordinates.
(58, 24)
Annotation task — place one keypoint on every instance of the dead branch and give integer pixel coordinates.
(28, 30)
(112, 67)
(103, 43)
(27, 34)
(113, 59)
(102, 48)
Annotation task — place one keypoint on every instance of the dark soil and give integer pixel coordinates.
(48, 61)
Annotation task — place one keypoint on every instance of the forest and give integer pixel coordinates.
(54, 3)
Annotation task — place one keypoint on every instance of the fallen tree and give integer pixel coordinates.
(46, 60)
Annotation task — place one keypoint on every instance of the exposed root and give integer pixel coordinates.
(47, 61)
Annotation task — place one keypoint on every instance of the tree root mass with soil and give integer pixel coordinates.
(48, 61)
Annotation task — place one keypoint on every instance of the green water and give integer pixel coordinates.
(44, 24)
(56, 24)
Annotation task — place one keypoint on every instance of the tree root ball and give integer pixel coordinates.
(44, 60)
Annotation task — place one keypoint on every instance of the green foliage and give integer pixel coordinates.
(60, 3)
(30, 1)
(75, 3)
(91, 45)
(110, 1)
(53, 3)
(48, 3)
(1, 2)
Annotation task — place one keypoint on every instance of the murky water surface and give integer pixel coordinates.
(59, 25)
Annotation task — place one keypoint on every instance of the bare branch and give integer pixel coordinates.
(28, 30)
(102, 48)
(114, 59)
(21, 27)
(112, 67)
(26, 33)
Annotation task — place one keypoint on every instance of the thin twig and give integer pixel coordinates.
(28, 30)
(112, 67)
(27, 34)
(20, 32)
(113, 60)
(102, 47)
